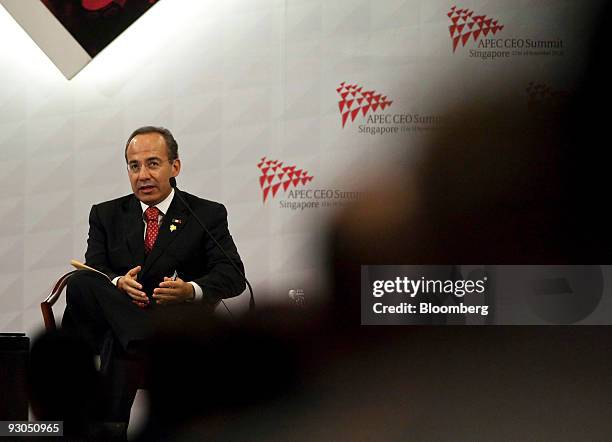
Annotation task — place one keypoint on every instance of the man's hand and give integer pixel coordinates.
(128, 285)
(172, 291)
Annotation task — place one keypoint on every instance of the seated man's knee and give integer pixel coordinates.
(79, 285)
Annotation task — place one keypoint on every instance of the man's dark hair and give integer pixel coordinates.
(171, 144)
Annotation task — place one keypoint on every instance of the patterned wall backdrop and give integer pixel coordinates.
(283, 109)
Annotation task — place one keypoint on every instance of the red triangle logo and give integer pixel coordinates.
(366, 101)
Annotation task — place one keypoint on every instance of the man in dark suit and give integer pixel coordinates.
(155, 255)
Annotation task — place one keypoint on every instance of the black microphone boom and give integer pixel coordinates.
(178, 193)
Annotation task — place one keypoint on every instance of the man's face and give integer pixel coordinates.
(149, 169)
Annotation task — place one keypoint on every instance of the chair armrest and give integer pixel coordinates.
(47, 305)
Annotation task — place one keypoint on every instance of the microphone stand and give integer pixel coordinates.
(219, 246)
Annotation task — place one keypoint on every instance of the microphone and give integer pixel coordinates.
(219, 246)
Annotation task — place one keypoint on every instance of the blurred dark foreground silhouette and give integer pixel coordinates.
(290, 374)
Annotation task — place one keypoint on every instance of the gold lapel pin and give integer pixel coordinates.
(172, 227)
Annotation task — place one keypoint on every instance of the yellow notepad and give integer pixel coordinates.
(80, 266)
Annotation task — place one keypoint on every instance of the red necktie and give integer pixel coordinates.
(151, 215)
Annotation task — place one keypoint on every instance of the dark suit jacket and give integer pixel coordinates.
(116, 244)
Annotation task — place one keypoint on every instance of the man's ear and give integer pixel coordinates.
(176, 167)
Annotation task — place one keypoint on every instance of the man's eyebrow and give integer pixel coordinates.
(146, 159)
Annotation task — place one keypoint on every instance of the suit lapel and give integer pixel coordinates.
(173, 223)
(134, 228)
